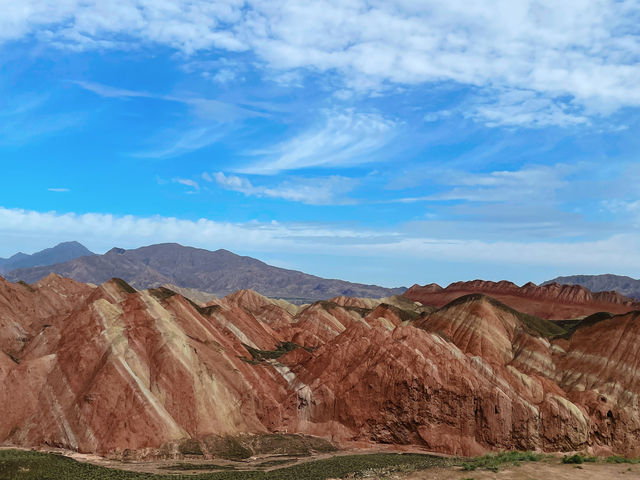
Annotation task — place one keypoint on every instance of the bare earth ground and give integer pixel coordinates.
(551, 470)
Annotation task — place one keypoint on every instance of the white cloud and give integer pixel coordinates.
(58, 190)
(344, 138)
(518, 108)
(203, 108)
(312, 191)
(189, 183)
(224, 75)
(517, 186)
(100, 232)
(112, 92)
(523, 186)
(584, 49)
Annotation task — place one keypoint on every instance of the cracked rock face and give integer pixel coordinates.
(110, 369)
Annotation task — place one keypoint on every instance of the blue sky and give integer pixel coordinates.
(381, 142)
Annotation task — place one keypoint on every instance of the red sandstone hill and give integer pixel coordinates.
(110, 369)
(550, 301)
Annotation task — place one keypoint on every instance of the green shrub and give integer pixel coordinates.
(190, 447)
(494, 461)
(578, 458)
(621, 459)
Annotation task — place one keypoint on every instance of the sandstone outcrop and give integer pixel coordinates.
(109, 369)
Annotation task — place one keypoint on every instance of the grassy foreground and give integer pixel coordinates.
(28, 465)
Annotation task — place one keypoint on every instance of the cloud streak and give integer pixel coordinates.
(209, 116)
(102, 231)
(311, 191)
(344, 138)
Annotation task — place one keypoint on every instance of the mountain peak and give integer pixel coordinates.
(218, 272)
(62, 252)
(627, 286)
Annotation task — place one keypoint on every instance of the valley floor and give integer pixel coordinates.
(553, 470)
(54, 465)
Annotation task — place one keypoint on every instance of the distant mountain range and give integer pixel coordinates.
(60, 253)
(220, 272)
(549, 301)
(627, 286)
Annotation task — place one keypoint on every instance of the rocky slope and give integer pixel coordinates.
(219, 273)
(60, 253)
(627, 286)
(550, 301)
(113, 370)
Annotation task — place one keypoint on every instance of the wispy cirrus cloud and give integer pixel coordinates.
(517, 186)
(343, 138)
(312, 191)
(108, 91)
(208, 123)
(195, 186)
(514, 186)
(25, 117)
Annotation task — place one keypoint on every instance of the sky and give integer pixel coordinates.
(387, 142)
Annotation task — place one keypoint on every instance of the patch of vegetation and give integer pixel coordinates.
(227, 447)
(162, 293)
(123, 285)
(27, 465)
(208, 311)
(358, 465)
(327, 305)
(198, 466)
(259, 356)
(571, 326)
(621, 459)
(275, 462)
(404, 315)
(567, 325)
(578, 458)
(240, 447)
(288, 444)
(26, 285)
(190, 447)
(493, 462)
(534, 325)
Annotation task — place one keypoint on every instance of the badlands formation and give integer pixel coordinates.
(472, 368)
